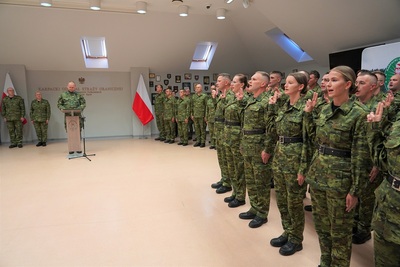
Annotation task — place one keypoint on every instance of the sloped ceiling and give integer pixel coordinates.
(48, 38)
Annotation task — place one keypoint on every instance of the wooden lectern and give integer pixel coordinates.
(73, 129)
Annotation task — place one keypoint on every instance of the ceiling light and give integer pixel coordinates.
(95, 4)
(46, 3)
(228, 1)
(221, 13)
(183, 11)
(141, 7)
(177, 1)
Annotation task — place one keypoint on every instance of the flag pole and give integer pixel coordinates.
(142, 136)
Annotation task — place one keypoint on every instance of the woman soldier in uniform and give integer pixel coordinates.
(335, 169)
(285, 121)
(232, 132)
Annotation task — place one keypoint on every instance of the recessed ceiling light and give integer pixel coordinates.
(95, 4)
(141, 7)
(46, 3)
(221, 13)
(183, 11)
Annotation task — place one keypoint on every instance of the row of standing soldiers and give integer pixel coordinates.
(185, 111)
(320, 138)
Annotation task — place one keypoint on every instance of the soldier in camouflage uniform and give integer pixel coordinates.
(198, 115)
(223, 85)
(380, 88)
(336, 168)
(275, 79)
(394, 87)
(313, 85)
(40, 116)
(182, 117)
(190, 124)
(366, 84)
(320, 102)
(285, 121)
(385, 140)
(210, 115)
(71, 100)
(169, 116)
(159, 110)
(13, 112)
(257, 167)
(232, 137)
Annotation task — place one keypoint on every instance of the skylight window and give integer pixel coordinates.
(203, 55)
(94, 52)
(288, 45)
(202, 52)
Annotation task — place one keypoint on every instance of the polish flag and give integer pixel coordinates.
(7, 85)
(141, 103)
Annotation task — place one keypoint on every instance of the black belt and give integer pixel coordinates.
(394, 182)
(254, 131)
(219, 120)
(232, 123)
(324, 150)
(288, 140)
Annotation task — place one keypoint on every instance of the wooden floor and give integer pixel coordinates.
(137, 203)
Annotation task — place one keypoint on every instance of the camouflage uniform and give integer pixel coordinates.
(169, 113)
(210, 117)
(13, 109)
(257, 174)
(159, 110)
(199, 103)
(234, 158)
(286, 121)
(190, 123)
(182, 114)
(341, 132)
(40, 115)
(317, 89)
(394, 107)
(386, 220)
(219, 137)
(71, 101)
(366, 203)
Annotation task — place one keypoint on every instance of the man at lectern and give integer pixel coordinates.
(71, 100)
(68, 102)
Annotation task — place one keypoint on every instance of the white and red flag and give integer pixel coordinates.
(141, 103)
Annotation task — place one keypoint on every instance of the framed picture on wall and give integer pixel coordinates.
(151, 83)
(186, 85)
(188, 76)
(177, 78)
(152, 75)
(176, 88)
(206, 79)
(215, 76)
(158, 78)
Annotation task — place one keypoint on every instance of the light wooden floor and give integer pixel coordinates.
(137, 203)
